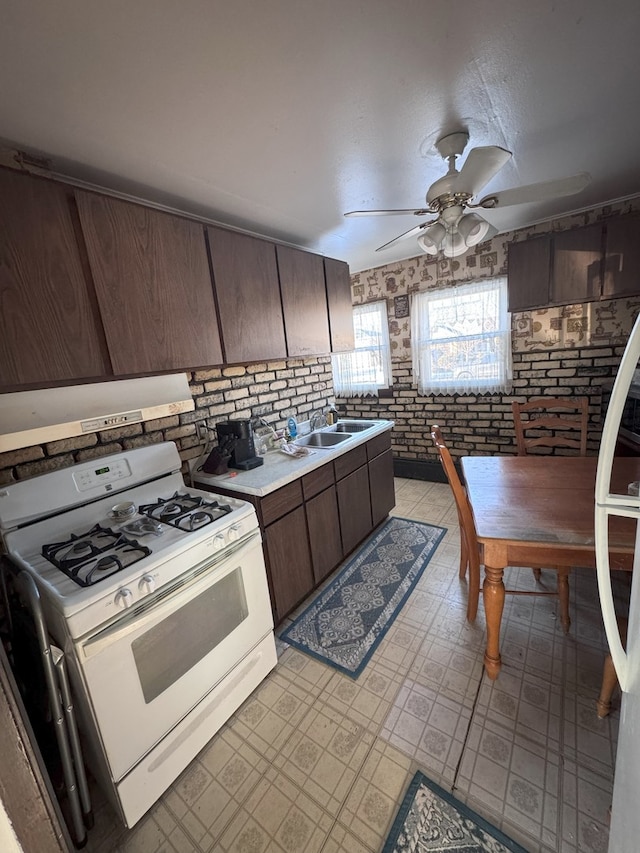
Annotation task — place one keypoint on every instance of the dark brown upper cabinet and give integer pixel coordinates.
(50, 330)
(529, 271)
(245, 276)
(577, 266)
(340, 305)
(153, 284)
(622, 257)
(304, 302)
(599, 261)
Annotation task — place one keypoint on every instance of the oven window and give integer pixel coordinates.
(169, 650)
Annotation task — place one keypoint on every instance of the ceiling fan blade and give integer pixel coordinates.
(480, 166)
(415, 210)
(404, 236)
(537, 192)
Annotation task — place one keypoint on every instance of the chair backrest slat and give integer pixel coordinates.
(462, 502)
(554, 423)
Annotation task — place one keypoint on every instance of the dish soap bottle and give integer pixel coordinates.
(292, 427)
(332, 416)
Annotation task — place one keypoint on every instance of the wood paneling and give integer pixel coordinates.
(340, 305)
(50, 330)
(153, 284)
(289, 560)
(323, 524)
(622, 258)
(529, 270)
(280, 502)
(354, 508)
(304, 302)
(343, 465)
(383, 496)
(577, 266)
(245, 275)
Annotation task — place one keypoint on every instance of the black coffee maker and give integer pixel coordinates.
(237, 438)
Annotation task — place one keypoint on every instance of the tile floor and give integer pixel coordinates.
(315, 762)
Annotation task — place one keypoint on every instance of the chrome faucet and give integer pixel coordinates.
(317, 420)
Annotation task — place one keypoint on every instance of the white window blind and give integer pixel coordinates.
(461, 339)
(368, 368)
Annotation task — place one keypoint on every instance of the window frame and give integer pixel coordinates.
(343, 363)
(500, 381)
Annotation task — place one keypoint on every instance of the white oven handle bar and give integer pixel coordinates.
(164, 602)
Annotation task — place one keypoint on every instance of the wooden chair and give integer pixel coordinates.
(471, 557)
(551, 422)
(609, 676)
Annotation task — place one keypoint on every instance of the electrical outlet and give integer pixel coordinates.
(202, 431)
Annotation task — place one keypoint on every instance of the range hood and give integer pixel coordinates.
(51, 414)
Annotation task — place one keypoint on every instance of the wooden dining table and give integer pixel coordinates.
(539, 511)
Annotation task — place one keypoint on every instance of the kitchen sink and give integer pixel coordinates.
(353, 426)
(322, 439)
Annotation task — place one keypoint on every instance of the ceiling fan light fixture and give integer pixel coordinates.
(453, 245)
(431, 239)
(473, 228)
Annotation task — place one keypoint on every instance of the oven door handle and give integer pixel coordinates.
(165, 601)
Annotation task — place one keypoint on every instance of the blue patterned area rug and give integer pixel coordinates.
(430, 819)
(345, 623)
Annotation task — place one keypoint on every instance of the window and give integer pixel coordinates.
(368, 368)
(461, 339)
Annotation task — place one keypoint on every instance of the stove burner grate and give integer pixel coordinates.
(184, 511)
(90, 557)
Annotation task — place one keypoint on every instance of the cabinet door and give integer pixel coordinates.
(50, 329)
(324, 533)
(340, 305)
(529, 271)
(304, 301)
(154, 288)
(245, 275)
(622, 258)
(354, 506)
(577, 266)
(383, 496)
(289, 561)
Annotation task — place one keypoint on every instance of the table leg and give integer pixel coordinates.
(493, 597)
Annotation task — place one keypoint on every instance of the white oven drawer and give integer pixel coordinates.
(144, 673)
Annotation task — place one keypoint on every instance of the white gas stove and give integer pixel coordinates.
(90, 565)
(157, 593)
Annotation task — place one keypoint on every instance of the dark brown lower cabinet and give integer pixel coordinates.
(354, 506)
(310, 525)
(289, 561)
(323, 524)
(383, 497)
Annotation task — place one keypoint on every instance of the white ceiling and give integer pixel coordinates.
(277, 116)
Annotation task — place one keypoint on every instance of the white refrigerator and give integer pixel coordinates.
(625, 815)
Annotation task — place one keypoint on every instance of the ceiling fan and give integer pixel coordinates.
(455, 230)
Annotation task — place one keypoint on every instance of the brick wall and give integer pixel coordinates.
(273, 390)
(483, 423)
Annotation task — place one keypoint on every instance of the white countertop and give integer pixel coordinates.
(280, 469)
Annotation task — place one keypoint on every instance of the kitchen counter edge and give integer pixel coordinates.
(279, 469)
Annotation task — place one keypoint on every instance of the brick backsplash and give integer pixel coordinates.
(274, 390)
(483, 423)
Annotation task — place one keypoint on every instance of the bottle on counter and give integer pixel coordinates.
(332, 416)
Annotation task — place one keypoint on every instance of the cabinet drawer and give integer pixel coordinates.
(278, 503)
(317, 481)
(379, 444)
(350, 461)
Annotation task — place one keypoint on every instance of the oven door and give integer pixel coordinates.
(147, 670)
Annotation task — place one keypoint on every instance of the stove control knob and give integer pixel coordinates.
(124, 597)
(147, 583)
(234, 533)
(218, 542)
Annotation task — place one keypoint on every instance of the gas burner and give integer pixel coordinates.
(186, 512)
(90, 557)
(142, 527)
